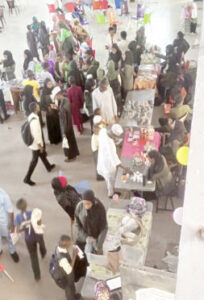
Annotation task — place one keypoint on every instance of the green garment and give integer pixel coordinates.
(67, 68)
(64, 34)
(10, 72)
(93, 69)
(112, 74)
(180, 111)
(100, 74)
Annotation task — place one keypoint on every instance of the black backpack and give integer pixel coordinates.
(57, 272)
(26, 133)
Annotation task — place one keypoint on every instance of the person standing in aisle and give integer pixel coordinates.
(37, 147)
(65, 267)
(90, 223)
(194, 17)
(108, 160)
(71, 151)
(7, 224)
(31, 42)
(103, 98)
(30, 222)
(75, 96)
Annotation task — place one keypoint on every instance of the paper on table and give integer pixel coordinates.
(114, 283)
(153, 294)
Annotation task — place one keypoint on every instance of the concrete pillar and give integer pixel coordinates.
(190, 279)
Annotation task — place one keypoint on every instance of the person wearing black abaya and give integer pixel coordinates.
(116, 56)
(28, 63)
(28, 98)
(52, 116)
(90, 223)
(66, 126)
(66, 195)
(9, 66)
(78, 76)
(159, 171)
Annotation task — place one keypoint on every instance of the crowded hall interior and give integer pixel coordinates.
(101, 145)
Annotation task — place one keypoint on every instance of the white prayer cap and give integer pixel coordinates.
(89, 76)
(55, 91)
(97, 120)
(116, 129)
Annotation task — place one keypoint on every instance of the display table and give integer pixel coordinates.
(132, 255)
(138, 108)
(129, 148)
(12, 92)
(130, 185)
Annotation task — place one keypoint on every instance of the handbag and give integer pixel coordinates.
(65, 144)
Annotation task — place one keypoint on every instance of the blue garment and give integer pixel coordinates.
(6, 208)
(24, 221)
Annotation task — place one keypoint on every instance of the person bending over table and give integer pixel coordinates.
(108, 160)
(160, 172)
(90, 224)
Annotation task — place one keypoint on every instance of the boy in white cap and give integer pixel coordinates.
(108, 160)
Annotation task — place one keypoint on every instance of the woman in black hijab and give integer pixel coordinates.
(78, 76)
(28, 98)
(44, 38)
(9, 65)
(28, 64)
(91, 223)
(159, 171)
(115, 55)
(52, 116)
(66, 195)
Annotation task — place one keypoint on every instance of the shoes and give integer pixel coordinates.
(29, 182)
(15, 257)
(51, 167)
(44, 254)
(69, 159)
(37, 279)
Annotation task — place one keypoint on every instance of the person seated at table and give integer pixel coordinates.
(90, 223)
(179, 109)
(108, 160)
(177, 137)
(159, 171)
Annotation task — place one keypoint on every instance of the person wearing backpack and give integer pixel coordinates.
(37, 146)
(30, 222)
(62, 267)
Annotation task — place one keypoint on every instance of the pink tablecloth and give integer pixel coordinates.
(129, 149)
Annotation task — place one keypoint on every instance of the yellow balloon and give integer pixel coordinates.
(182, 155)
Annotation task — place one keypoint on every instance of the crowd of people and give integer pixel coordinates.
(65, 83)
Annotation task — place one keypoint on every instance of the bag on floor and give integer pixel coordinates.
(26, 133)
(57, 272)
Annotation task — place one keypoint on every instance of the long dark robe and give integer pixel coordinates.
(32, 45)
(67, 129)
(52, 119)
